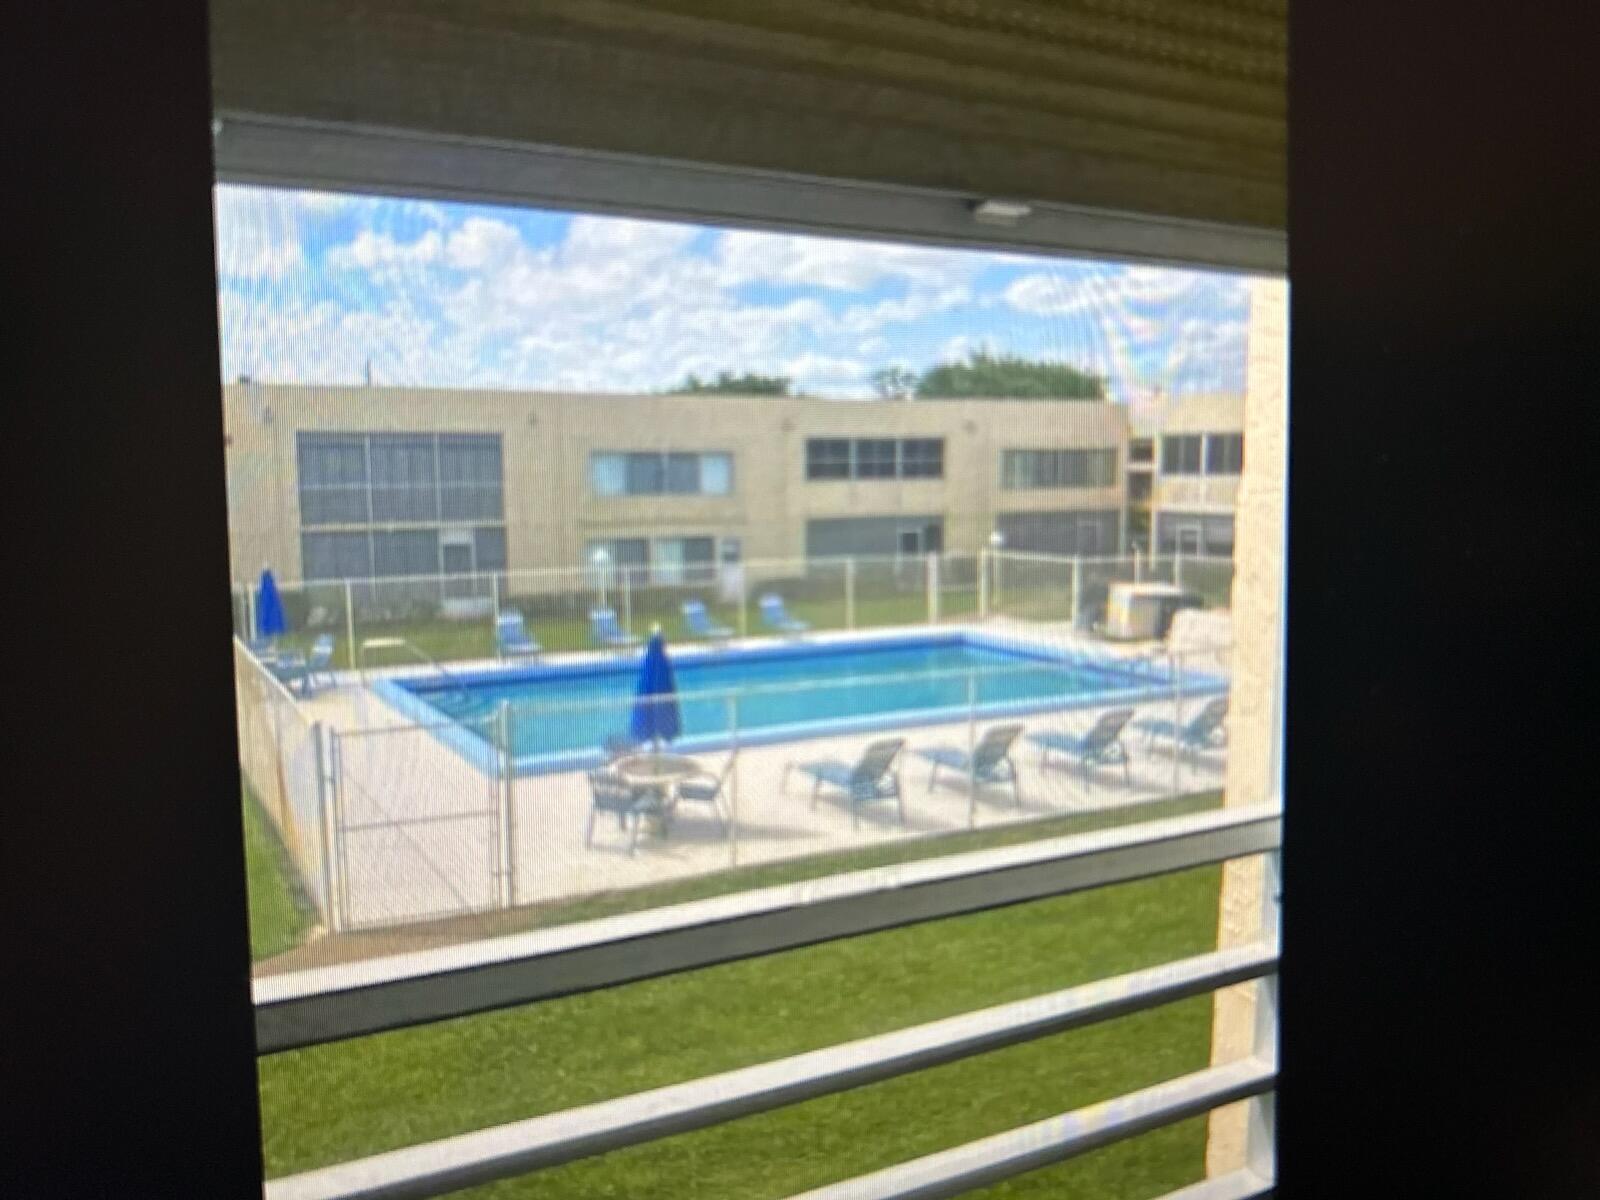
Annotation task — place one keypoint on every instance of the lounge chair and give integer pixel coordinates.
(874, 777)
(604, 630)
(1102, 744)
(990, 762)
(1201, 732)
(775, 616)
(301, 671)
(699, 623)
(609, 792)
(511, 638)
(708, 788)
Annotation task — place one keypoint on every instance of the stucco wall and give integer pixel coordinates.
(1257, 595)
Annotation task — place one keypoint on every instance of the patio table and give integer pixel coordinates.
(657, 774)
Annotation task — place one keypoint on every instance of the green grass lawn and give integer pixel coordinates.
(278, 916)
(329, 1103)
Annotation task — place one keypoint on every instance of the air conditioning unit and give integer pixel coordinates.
(1144, 611)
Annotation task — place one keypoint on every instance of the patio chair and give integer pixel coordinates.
(511, 638)
(699, 623)
(708, 788)
(604, 630)
(873, 777)
(1102, 744)
(775, 616)
(990, 762)
(1201, 732)
(609, 792)
(301, 671)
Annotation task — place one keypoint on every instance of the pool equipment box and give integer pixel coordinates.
(1140, 611)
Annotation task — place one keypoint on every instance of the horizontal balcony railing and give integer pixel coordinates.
(326, 1004)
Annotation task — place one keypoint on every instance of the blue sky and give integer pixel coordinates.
(313, 285)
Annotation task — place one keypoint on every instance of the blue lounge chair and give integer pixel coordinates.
(609, 792)
(604, 630)
(699, 623)
(511, 638)
(302, 671)
(990, 762)
(1102, 744)
(775, 616)
(873, 777)
(708, 788)
(1202, 732)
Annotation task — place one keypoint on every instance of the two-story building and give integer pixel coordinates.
(357, 482)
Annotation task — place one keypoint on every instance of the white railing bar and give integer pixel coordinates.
(516, 1148)
(1243, 1184)
(992, 1159)
(326, 1004)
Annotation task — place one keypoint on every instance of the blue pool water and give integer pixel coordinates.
(559, 715)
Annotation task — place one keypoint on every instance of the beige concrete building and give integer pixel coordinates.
(1185, 457)
(354, 482)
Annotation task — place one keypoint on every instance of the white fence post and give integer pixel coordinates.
(1177, 566)
(1177, 717)
(933, 588)
(1137, 573)
(994, 595)
(850, 593)
(733, 778)
(250, 633)
(983, 584)
(349, 626)
(972, 750)
(744, 602)
(507, 806)
(1077, 589)
(627, 600)
(325, 826)
(494, 594)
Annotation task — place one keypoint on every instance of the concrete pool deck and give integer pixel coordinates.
(419, 829)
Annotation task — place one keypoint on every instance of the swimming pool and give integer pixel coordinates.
(558, 715)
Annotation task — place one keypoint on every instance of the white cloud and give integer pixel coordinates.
(442, 296)
(257, 235)
(371, 250)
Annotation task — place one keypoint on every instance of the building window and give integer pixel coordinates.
(828, 458)
(664, 561)
(1209, 534)
(1181, 455)
(1202, 454)
(922, 458)
(874, 458)
(1069, 532)
(655, 474)
(1139, 486)
(1028, 469)
(421, 482)
(867, 537)
(1224, 453)
(1141, 450)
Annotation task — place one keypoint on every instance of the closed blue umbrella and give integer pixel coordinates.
(270, 621)
(655, 707)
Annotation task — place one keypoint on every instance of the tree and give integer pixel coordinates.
(726, 382)
(895, 383)
(986, 375)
